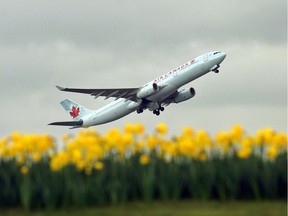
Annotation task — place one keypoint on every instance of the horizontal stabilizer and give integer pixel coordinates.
(68, 123)
(60, 88)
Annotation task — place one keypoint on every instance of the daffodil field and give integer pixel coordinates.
(91, 169)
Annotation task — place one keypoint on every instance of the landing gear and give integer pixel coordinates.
(215, 68)
(140, 110)
(154, 106)
(157, 111)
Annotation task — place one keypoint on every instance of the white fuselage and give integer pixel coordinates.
(168, 82)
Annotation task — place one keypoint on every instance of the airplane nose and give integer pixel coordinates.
(223, 56)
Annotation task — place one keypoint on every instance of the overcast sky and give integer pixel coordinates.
(110, 44)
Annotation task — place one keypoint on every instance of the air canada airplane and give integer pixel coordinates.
(153, 96)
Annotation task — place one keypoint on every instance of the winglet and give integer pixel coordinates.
(60, 88)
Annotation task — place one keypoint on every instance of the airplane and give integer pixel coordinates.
(153, 96)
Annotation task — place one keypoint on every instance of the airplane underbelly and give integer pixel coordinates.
(190, 75)
(114, 113)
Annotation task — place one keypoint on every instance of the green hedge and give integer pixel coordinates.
(128, 180)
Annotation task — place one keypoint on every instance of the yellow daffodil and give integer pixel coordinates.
(162, 129)
(245, 148)
(36, 157)
(129, 128)
(272, 152)
(139, 128)
(66, 138)
(187, 131)
(99, 165)
(144, 159)
(237, 132)
(87, 149)
(24, 170)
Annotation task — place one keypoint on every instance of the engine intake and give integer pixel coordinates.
(185, 95)
(148, 90)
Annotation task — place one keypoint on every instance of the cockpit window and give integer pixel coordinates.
(215, 53)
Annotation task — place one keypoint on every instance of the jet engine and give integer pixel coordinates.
(185, 95)
(148, 90)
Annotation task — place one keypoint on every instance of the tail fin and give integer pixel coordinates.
(75, 110)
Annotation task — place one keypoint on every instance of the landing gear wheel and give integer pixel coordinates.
(139, 111)
(216, 71)
(162, 109)
(156, 112)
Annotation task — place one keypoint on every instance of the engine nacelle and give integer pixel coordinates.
(185, 95)
(148, 90)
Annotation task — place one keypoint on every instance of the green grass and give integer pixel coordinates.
(175, 208)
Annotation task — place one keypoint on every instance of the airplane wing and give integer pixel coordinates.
(127, 93)
(169, 99)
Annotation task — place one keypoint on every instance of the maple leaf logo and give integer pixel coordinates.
(75, 112)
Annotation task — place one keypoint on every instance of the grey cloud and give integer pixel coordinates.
(125, 44)
(133, 25)
(254, 74)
